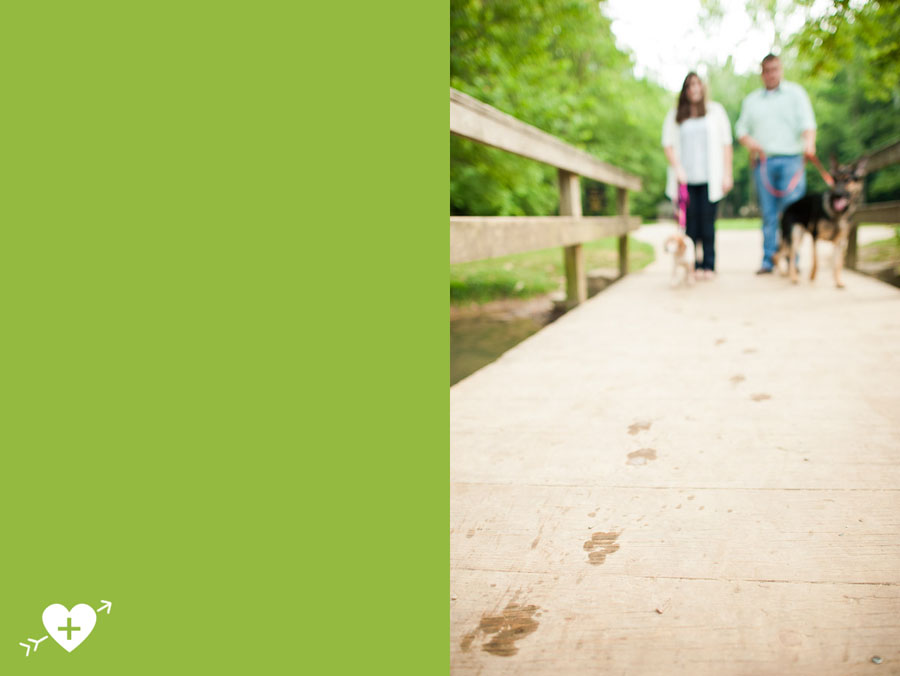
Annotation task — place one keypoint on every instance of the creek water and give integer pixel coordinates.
(478, 340)
(479, 335)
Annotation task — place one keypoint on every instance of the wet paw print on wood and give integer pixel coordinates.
(641, 456)
(600, 546)
(503, 630)
(639, 426)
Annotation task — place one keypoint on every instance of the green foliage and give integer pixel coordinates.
(884, 251)
(490, 282)
(850, 61)
(486, 182)
(738, 224)
(856, 32)
(553, 65)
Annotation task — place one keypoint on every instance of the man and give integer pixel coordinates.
(778, 127)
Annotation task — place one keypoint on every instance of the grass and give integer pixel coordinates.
(738, 224)
(536, 272)
(886, 250)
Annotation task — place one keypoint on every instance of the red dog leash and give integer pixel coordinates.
(795, 179)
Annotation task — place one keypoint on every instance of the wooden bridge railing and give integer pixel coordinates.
(879, 212)
(478, 237)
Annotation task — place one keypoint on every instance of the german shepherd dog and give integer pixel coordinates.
(825, 216)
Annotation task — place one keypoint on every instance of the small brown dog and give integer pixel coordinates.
(824, 216)
(682, 249)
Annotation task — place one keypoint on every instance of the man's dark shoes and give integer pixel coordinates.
(764, 271)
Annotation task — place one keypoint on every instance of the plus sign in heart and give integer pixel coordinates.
(69, 627)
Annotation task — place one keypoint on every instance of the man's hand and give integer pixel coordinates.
(809, 144)
(750, 144)
(809, 149)
(727, 184)
(680, 174)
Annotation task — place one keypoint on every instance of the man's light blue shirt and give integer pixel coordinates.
(777, 118)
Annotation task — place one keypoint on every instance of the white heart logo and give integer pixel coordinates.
(69, 627)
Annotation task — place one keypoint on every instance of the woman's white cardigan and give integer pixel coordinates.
(719, 130)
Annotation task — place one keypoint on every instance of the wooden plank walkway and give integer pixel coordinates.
(694, 481)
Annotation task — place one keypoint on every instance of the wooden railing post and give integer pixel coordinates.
(476, 238)
(570, 205)
(622, 210)
(850, 260)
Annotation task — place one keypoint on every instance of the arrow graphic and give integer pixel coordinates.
(36, 643)
(107, 606)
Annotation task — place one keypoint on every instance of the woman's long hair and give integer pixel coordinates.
(684, 105)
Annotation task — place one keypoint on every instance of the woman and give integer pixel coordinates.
(696, 137)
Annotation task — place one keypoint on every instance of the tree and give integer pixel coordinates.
(864, 33)
(846, 56)
(851, 57)
(554, 65)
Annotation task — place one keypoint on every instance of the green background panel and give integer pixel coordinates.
(223, 251)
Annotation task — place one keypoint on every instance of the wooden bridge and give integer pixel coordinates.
(691, 481)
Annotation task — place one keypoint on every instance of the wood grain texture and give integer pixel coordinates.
(472, 119)
(702, 481)
(879, 212)
(850, 256)
(475, 238)
(609, 624)
(622, 208)
(884, 157)
(573, 256)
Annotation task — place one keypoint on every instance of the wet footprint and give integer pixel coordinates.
(641, 456)
(600, 546)
(513, 624)
(760, 397)
(739, 378)
(719, 341)
(750, 350)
